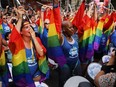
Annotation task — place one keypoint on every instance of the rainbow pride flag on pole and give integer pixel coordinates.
(55, 51)
(20, 70)
(40, 28)
(98, 34)
(108, 29)
(86, 50)
(77, 21)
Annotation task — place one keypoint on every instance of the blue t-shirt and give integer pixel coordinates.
(71, 51)
(6, 29)
(32, 63)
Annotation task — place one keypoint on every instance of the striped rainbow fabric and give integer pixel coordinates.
(54, 49)
(40, 27)
(109, 27)
(98, 34)
(1, 28)
(21, 73)
(42, 62)
(3, 70)
(108, 33)
(86, 50)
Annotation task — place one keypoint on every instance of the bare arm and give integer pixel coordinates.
(111, 62)
(95, 12)
(6, 10)
(38, 47)
(20, 12)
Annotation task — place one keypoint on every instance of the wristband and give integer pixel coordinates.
(108, 69)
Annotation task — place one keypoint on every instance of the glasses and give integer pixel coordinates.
(4, 18)
(47, 23)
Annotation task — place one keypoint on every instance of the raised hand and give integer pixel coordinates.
(55, 1)
(20, 10)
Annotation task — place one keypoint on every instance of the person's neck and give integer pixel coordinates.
(67, 36)
(26, 39)
(4, 22)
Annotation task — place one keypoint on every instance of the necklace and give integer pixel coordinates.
(32, 51)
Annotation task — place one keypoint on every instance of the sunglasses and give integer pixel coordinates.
(4, 18)
(47, 23)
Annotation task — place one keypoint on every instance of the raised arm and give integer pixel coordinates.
(37, 45)
(20, 11)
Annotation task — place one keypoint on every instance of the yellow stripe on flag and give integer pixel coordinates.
(19, 57)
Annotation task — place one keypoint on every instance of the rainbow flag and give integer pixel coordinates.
(40, 27)
(86, 50)
(108, 28)
(42, 60)
(54, 49)
(20, 70)
(79, 15)
(3, 70)
(98, 34)
(1, 29)
(78, 19)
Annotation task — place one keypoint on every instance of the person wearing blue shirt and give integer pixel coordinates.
(70, 49)
(5, 26)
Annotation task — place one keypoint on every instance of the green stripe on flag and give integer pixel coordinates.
(53, 41)
(21, 69)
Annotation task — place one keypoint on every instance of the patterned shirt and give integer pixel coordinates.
(107, 80)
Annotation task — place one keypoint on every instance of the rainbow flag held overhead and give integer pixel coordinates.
(98, 34)
(54, 49)
(40, 27)
(77, 20)
(86, 50)
(109, 27)
(20, 70)
(4, 75)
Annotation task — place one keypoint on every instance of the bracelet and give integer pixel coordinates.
(108, 69)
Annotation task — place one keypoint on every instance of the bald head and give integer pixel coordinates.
(65, 24)
(67, 28)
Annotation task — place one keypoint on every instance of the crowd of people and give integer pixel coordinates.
(29, 38)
